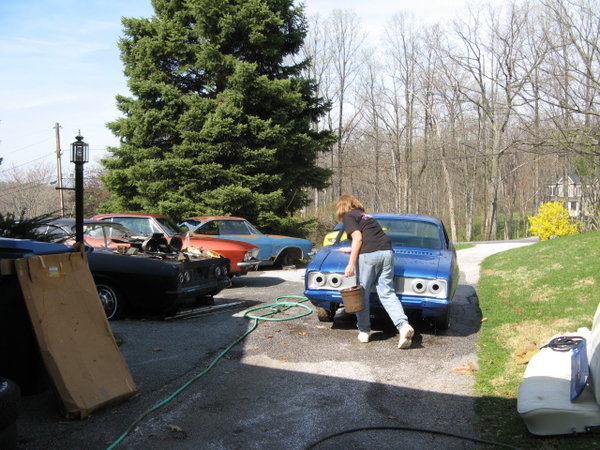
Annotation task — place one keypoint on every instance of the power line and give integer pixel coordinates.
(10, 191)
(25, 163)
(10, 152)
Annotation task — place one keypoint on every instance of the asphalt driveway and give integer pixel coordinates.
(288, 384)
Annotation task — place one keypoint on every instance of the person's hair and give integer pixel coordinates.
(347, 203)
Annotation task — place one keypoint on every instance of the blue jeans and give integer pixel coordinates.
(378, 267)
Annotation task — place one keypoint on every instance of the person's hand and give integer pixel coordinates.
(349, 271)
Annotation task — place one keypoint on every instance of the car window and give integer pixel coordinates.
(232, 227)
(139, 225)
(170, 226)
(251, 228)
(189, 225)
(210, 228)
(93, 230)
(411, 233)
(116, 230)
(55, 233)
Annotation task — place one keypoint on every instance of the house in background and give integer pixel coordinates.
(570, 191)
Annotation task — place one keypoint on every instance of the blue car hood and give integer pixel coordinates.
(407, 262)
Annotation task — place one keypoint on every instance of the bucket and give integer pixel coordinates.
(353, 299)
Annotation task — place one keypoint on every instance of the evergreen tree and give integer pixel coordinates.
(220, 121)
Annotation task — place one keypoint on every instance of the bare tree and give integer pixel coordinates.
(30, 191)
(494, 57)
(402, 49)
(371, 98)
(470, 123)
(442, 113)
(345, 40)
(574, 71)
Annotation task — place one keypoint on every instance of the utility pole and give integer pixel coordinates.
(59, 171)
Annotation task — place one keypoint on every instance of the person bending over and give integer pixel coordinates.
(371, 255)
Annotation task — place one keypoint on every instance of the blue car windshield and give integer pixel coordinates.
(412, 233)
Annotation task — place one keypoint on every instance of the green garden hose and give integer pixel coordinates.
(274, 308)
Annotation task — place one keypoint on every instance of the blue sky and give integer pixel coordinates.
(60, 63)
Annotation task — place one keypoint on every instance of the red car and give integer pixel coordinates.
(241, 254)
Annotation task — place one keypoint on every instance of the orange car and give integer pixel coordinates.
(242, 256)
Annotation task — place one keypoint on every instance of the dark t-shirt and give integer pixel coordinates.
(373, 237)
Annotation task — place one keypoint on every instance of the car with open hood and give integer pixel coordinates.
(130, 280)
(242, 255)
(425, 269)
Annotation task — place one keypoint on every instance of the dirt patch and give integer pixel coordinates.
(524, 339)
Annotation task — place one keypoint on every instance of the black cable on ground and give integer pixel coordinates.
(413, 429)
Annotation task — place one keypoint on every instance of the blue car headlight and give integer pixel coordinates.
(421, 287)
(323, 280)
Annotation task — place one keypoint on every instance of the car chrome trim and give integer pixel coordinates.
(437, 288)
(330, 281)
(248, 264)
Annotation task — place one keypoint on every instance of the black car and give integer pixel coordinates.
(157, 279)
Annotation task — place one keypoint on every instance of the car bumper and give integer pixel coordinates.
(198, 290)
(248, 264)
(429, 307)
(244, 267)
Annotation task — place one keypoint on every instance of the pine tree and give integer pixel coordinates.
(220, 122)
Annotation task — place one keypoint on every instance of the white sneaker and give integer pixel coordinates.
(406, 334)
(363, 336)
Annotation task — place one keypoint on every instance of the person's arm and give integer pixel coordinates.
(354, 250)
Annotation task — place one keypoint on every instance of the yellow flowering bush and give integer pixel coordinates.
(552, 221)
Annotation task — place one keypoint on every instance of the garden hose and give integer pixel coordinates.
(277, 307)
(273, 308)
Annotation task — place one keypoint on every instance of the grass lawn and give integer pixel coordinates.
(526, 296)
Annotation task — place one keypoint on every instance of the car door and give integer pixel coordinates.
(242, 230)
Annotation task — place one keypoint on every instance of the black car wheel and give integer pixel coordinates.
(9, 409)
(112, 301)
(326, 315)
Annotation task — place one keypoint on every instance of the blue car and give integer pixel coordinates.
(273, 249)
(425, 267)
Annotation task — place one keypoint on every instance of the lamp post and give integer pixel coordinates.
(79, 156)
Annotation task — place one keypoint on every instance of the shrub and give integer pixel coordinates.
(552, 221)
(20, 227)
